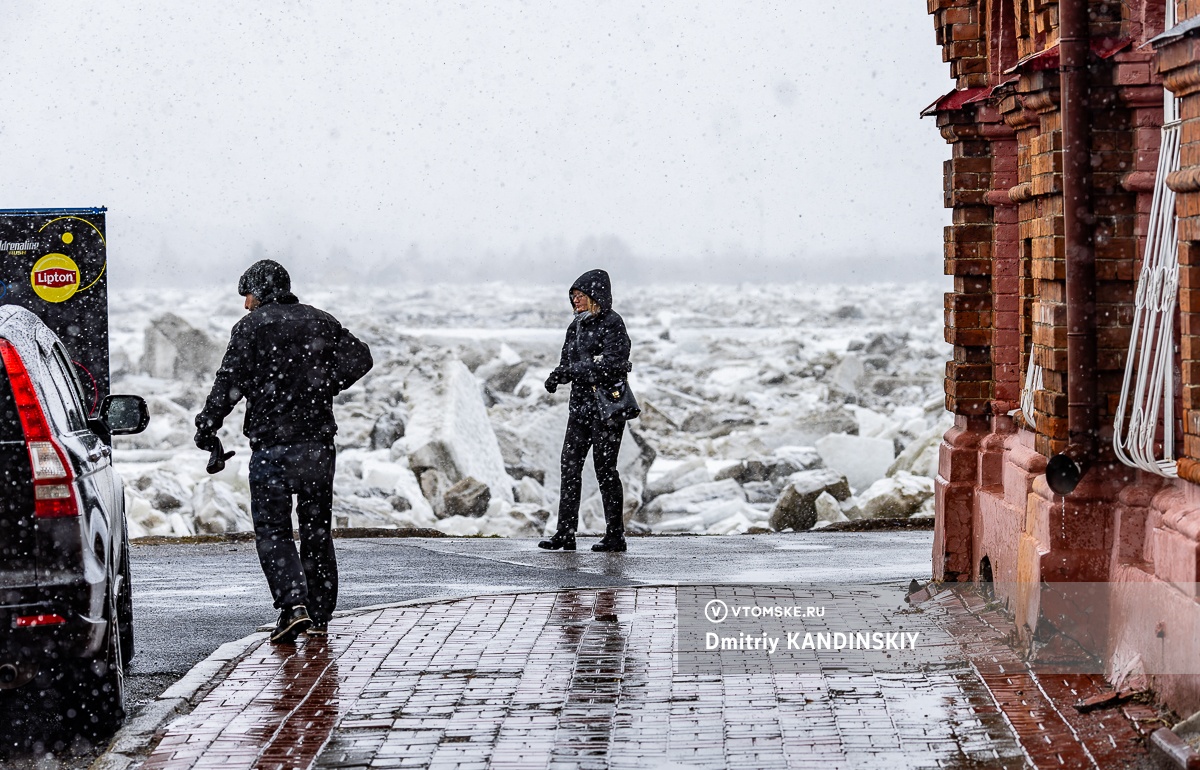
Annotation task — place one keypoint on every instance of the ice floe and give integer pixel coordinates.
(784, 406)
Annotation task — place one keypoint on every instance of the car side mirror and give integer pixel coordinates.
(124, 415)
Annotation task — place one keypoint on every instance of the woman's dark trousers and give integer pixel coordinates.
(310, 576)
(605, 442)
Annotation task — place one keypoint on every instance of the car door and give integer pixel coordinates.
(99, 447)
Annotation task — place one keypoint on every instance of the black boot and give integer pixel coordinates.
(292, 622)
(561, 541)
(614, 542)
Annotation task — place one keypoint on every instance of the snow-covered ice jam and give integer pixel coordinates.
(759, 413)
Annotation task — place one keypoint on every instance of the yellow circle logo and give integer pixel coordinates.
(55, 278)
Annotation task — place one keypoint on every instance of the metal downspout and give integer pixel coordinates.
(1064, 470)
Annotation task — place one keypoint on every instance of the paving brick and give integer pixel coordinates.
(589, 678)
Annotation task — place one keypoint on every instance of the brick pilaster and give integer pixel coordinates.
(1125, 145)
(960, 32)
(1041, 234)
(968, 252)
(1037, 25)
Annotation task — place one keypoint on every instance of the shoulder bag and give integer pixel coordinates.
(616, 403)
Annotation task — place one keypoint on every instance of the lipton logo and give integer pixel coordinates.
(55, 278)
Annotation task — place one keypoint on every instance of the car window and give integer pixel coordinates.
(86, 400)
(41, 371)
(71, 416)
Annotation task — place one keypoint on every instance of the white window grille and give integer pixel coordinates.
(1033, 383)
(1148, 391)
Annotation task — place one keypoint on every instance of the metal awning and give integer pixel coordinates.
(958, 99)
(1181, 29)
(955, 100)
(1103, 47)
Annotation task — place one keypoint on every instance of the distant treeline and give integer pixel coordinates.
(547, 262)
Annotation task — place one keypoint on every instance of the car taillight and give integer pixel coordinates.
(53, 488)
(28, 621)
(46, 462)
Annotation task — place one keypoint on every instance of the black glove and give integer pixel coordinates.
(556, 378)
(583, 372)
(206, 441)
(217, 457)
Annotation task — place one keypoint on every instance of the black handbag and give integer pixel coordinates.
(616, 403)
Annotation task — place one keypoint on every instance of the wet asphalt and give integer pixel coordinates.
(191, 598)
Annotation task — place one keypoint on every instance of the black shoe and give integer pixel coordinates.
(615, 543)
(561, 541)
(318, 629)
(292, 623)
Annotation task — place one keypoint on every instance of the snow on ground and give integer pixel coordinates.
(746, 390)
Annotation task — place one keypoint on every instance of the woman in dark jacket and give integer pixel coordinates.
(595, 354)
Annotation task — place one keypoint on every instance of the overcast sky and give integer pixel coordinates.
(431, 139)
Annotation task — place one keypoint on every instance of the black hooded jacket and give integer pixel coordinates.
(288, 360)
(596, 350)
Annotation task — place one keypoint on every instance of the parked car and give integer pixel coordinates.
(66, 609)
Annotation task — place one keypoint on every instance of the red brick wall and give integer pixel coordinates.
(1004, 180)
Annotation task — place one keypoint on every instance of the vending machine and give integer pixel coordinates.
(52, 261)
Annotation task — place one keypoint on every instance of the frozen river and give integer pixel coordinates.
(815, 380)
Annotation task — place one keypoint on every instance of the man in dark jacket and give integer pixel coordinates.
(288, 360)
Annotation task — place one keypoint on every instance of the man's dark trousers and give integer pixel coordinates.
(309, 577)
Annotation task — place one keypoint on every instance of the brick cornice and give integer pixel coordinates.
(1017, 112)
(999, 198)
(1021, 193)
(1188, 470)
(959, 131)
(997, 131)
(1138, 181)
(1186, 180)
(1183, 81)
(1142, 96)
(1041, 101)
(1020, 117)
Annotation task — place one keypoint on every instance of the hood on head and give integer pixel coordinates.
(596, 285)
(267, 280)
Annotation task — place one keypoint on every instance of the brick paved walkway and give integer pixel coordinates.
(1039, 702)
(580, 678)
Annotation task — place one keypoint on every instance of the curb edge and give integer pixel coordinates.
(128, 746)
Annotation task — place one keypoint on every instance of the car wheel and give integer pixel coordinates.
(125, 609)
(95, 689)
